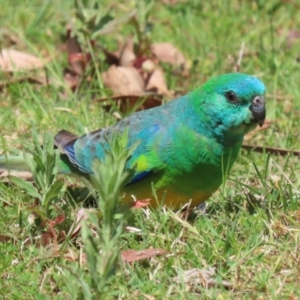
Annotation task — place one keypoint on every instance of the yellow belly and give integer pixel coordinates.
(165, 196)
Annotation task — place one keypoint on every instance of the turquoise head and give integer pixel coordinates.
(233, 103)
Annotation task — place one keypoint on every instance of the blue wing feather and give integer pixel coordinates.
(85, 149)
(139, 177)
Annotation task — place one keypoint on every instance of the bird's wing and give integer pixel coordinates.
(148, 134)
(82, 151)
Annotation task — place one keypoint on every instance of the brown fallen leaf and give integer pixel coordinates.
(72, 46)
(157, 83)
(12, 60)
(124, 81)
(77, 59)
(202, 277)
(133, 255)
(127, 55)
(59, 219)
(140, 203)
(168, 53)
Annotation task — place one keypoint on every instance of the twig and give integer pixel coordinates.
(276, 151)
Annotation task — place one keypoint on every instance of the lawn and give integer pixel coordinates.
(245, 245)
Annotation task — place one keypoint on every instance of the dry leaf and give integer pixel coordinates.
(124, 81)
(12, 60)
(78, 61)
(132, 255)
(200, 276)
(168, 53)
(141, 203)
(157, 83)
(59, 219)
(72, 45)
(76, 58)
(127, 55)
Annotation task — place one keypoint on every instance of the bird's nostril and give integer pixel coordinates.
(257, 101)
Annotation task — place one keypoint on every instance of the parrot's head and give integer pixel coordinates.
(234, 103)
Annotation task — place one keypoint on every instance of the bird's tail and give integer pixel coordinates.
(18, 163)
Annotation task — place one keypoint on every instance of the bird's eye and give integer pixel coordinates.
(231, 97)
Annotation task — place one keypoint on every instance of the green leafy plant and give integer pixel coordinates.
(47, 187)
(94, 19)
(101, 234)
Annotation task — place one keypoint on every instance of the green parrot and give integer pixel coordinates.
(184, 147)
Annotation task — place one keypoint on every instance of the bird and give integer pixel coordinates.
(185, 147)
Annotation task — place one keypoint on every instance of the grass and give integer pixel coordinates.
(250, 232)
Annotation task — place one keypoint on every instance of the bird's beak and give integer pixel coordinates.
(258, 109)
